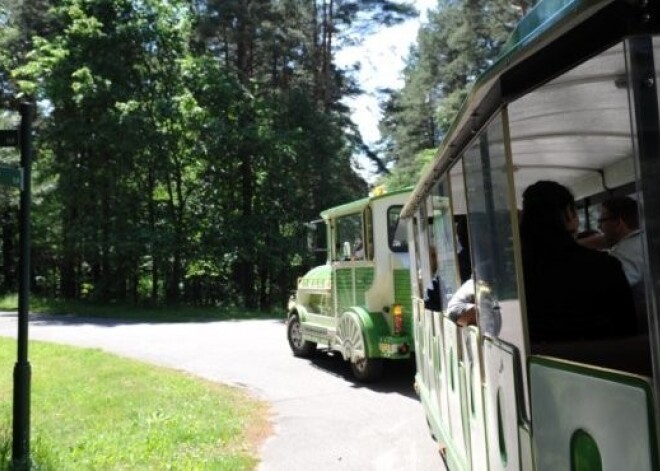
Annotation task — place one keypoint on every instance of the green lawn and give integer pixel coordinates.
(95, 411)
(138, 313)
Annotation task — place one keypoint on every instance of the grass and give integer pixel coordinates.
(137, 313)
(95, 411)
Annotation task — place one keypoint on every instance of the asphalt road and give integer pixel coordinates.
(322, 419)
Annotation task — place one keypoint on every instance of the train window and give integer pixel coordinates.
(491, 234)
(590, 151)
(369, 233)
(575, 130)
(396, 230)
(643, 68)
(349, 242)
(459, 210)
(443, 240)
(424, 246)
(415, 262)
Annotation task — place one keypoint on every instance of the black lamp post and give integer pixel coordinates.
(22, 370)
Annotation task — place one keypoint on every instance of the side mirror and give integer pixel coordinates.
(316, 236)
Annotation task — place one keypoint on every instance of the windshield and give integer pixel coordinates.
(397, 234)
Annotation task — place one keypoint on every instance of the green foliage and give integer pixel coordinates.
(181, 145)
(458, 42)
(20, 22)
(408, 173)
(108, 413)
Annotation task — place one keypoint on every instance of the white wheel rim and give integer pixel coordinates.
(350, 338)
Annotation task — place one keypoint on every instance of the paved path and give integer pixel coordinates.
(322, 419)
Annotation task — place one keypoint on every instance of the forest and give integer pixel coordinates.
(181, 145)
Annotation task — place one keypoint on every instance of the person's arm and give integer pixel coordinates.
(468, 317)
(462, 301)
(596, 242)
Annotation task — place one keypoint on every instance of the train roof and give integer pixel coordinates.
(359, 205)
(555, 36)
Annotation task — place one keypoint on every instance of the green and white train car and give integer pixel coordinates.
(573, 99)
(359, 302)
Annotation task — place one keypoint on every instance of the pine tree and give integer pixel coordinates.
(460, 41)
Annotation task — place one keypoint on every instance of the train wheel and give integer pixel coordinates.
(353, 347)
(299, 346)
(367, 369)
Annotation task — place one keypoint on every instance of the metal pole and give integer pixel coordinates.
(22, 370)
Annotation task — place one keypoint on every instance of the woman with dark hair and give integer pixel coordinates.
(572, 292)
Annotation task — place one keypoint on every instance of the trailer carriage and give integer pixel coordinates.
(573, 99)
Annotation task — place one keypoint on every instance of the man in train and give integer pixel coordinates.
(619, 223)
(621, 235)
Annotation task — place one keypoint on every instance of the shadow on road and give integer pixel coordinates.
(74, 319)
(398, 376)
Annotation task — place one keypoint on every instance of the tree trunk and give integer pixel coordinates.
(264, 289)
(246, 276)
(174, 279)
(154, 280)
(68, 280)
(105, 288)
(151, 208)
(245, 266)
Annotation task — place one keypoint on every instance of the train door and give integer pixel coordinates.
(350, 250)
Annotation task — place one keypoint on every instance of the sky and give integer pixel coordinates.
(381, 57)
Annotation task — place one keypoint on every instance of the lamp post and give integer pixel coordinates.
(22, 369)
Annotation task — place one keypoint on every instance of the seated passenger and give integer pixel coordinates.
(619, 222)
(572, 292)
(433, 293)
